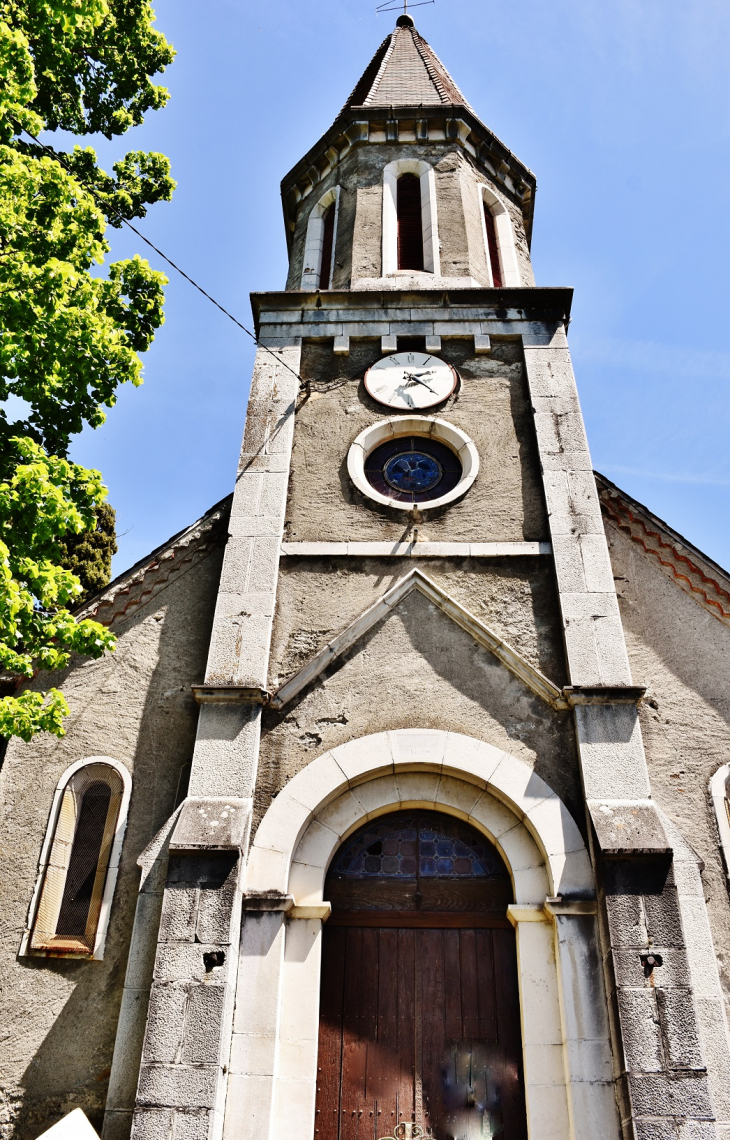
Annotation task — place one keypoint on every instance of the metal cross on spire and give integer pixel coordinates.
(402, 5)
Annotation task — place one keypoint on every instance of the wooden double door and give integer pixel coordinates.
(419, 1017)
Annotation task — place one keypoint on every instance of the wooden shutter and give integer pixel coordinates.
(493, 247)
(327, 238)
(410, 225)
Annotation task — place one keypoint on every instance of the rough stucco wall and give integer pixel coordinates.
(359, 225)
(452, 221)
(416, 669)
(505, 504)
(682, 653)
(58, 1018)
(522, 249)
(319, 597)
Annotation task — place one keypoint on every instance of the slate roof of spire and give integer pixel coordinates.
(405, 71)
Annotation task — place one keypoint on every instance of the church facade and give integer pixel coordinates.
(401, 808)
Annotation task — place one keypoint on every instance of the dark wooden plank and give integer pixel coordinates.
(370, 894)
(404, 1108)
(508, 1023)
(490, 894)
(383, 1056)
(432, 1022)
(452, 986)
(449, 895)
(469, 1003)
(420, 920)
(329, 1055)
(354, 1048)
(368, 980)
(486, 982)
(499, 1090)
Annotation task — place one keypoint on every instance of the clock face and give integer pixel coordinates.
(410, 380)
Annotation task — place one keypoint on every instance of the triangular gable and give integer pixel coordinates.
(417, 580)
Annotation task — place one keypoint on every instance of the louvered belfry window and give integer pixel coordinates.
(492, 247)
(73, 886)
(328, 233)
(410, 224)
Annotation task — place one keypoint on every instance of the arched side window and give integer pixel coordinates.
(69, 911)
(409, 206)
(499, 240)
(720, 792)
(319, 249)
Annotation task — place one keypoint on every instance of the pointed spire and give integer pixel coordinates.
(405, 71)
(406, 94)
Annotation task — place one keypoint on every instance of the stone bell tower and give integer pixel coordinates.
(417, 613)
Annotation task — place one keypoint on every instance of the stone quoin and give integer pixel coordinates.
(402, 807)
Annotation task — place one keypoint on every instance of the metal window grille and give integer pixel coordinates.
(410, 222)
(73, 886)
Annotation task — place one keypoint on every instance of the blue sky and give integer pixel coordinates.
(621, 109)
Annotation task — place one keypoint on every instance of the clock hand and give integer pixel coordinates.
(415, 380)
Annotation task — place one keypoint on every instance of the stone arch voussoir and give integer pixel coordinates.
(496, 792)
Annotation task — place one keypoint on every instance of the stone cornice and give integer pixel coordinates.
(357, 126)
(302, 310)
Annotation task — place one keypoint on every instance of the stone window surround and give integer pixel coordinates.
(112, 870)
(567, 1057)
(720, 802)
(392, 428)
(429, 216)
(312, 270)
(505, 237)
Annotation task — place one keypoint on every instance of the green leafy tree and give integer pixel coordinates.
(89, 555)
(68, 336)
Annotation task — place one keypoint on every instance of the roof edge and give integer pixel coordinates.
(351, 128)
(137, 573)
(694, 572)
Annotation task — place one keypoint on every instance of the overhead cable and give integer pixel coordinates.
(109, 210)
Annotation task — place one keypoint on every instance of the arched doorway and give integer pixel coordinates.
(419, 1011)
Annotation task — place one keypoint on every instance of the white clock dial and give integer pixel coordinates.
(410, 380)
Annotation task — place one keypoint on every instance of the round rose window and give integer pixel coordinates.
(413, 469)
(409, 461)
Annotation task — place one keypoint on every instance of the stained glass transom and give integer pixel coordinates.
(410, 845)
